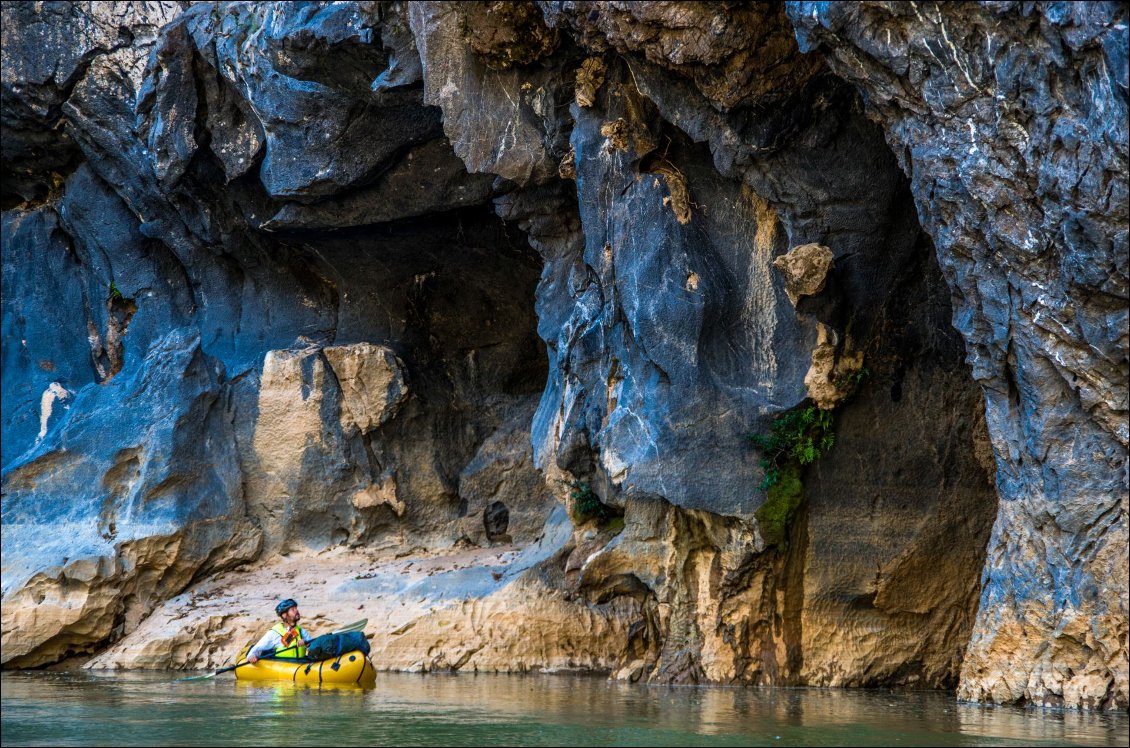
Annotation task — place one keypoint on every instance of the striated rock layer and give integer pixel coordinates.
(342, 301)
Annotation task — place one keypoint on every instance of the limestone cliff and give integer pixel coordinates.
(1012, 124)
(297, 287)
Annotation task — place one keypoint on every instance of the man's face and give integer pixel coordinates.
(291, 616)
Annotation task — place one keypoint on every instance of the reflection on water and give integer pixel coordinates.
(147, 709)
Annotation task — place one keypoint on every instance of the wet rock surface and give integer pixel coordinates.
(328, 283)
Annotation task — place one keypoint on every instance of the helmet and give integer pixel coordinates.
(284, 606)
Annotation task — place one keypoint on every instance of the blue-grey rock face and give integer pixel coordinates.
(677, 340)
(1011, 120)
(46, 55)
(134, 488)
(153, 427)
(45, 363)
(294, 83)
(671, 338)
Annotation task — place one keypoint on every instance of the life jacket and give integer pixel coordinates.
(286, 649)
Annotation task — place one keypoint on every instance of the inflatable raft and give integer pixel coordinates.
(351, 668)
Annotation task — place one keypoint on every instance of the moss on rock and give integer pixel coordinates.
(783, 499)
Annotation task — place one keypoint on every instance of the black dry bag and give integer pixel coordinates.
(329, 646)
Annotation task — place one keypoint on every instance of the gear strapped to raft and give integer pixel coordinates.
(329, 646)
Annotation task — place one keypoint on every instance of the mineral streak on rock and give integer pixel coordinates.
(367, 293)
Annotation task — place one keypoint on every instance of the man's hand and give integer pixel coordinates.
(252, 659)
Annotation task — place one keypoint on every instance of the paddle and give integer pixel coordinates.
(355, 626)
(213, 675)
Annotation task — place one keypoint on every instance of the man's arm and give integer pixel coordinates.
(265, 646)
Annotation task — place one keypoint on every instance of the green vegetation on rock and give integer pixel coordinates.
(796, 438)
(588, 506)
(784, 498)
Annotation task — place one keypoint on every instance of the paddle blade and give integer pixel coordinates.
(197, 677)
(213, 675)
(355, 626)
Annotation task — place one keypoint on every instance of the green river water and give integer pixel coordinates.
(133, 708)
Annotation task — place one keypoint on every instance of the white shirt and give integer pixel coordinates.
(271, 641)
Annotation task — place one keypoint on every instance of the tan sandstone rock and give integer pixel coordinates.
(72, 610)
(1073, 654)
(830, 377)
(805, 269)
(371, 378)
(307, 477)
(474, 609)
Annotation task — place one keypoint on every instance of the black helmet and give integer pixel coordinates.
(284, 606)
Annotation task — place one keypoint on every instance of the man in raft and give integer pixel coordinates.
(286, 638)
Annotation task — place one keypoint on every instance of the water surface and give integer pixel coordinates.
(136, 708)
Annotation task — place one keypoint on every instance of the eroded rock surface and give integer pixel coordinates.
(735, 53)
(1012, 122)
(98, 531)
(449, 610)
(370, 345)
(47, 53)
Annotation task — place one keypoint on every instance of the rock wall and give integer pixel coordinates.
(380, 275)
(675, 338)
(1011, 121)
(186, 387)
(470, 609)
